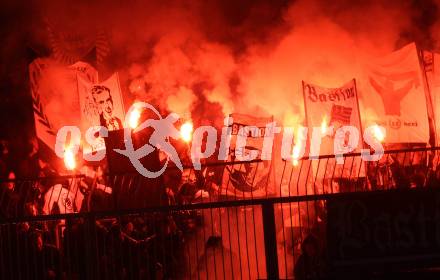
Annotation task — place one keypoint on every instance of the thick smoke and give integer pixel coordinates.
(206, 60)
(198, 69)
(325, 45)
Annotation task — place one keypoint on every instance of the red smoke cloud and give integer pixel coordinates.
(205, 60)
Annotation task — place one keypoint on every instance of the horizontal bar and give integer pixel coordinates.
(60, 177)
(200, 206)
(386, 152)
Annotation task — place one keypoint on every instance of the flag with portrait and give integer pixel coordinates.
(101, 104)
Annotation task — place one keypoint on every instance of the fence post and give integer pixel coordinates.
(90, 245)
(270, 240)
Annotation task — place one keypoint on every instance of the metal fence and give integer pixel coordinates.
(203, 225)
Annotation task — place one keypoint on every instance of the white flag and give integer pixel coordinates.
(55, 96)
(250, 179)
(330, 109)
(393, 96)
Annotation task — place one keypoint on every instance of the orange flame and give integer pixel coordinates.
(295, 154)
(69, 158)
(378, 133)
(186, 131)
(133, 119)
(324, 125)
(299, 138)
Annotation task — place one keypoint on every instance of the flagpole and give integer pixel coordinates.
(359, 111)
(428, 95)
(120, 95)
(361, 129)
(306, 120)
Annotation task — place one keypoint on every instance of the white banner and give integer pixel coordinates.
(55, 95)
(330, 109)
(250, 179)
(393, 96)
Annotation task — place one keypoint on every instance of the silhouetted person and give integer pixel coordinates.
(310, 264)
(45, 258)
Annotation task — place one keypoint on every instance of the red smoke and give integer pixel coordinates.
(205, 60)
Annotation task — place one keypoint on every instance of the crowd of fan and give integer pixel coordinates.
(123, 247)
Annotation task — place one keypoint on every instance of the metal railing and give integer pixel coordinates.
(206, 224)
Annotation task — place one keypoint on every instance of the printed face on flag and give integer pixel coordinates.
(101, 104)
(103, 99)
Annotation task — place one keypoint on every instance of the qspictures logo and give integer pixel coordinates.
(345, 140)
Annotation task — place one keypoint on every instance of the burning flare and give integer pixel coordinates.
(295, 154)
(324, 125)
(133, 119)
(69, 158)
(378, 133)
(186, 131)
